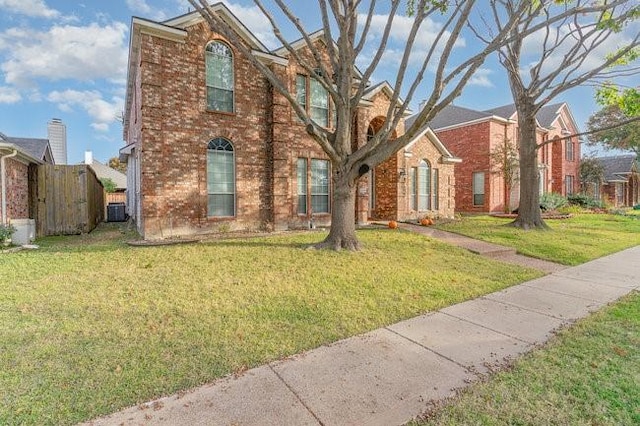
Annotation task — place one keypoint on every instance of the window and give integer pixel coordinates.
(478, 188)
(424, 186)
(414, 188)
(568, 183)
(221, 182)
(301, 91)
(319, 110)
(569, 149)
(436, 189)
(319, 186)
(302, 186)
(219, 68)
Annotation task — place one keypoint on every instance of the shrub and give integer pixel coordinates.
(636, 207)
(584, 201)
(6, 231)
(570, 209)
(552, 201)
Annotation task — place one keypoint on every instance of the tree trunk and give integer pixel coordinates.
(529, 214)
(343, 226)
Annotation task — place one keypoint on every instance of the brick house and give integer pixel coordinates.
(18, 158)
(621, 183)
(210, 146)
(474, 135)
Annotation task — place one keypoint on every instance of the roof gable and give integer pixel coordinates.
(36, 148)
(618, 166)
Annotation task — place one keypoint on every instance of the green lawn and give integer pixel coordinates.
(89, 325)
(588, 375)
(572, 241)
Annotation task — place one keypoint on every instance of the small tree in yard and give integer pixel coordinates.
(504, 160)
(561, 56)
(346, 26)
(591, 175)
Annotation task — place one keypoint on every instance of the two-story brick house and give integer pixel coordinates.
(474, 135)
(211, 146)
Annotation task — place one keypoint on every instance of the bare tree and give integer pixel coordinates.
(346, 27)
(565, 57)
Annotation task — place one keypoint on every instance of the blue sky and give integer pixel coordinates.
(68, 60)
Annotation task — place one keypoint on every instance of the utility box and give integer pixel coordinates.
(116, 212)
(25, 231)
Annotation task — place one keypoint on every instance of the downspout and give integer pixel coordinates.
(3, 177)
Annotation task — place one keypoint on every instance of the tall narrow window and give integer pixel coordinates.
(219, 67)
(568, 183)
(424, 186)
(221, 180)
(302, 186)
(319, 186)
(301, 90)
(478, 188)
(414, 188)
(319, 111)
(569, 149)
(436, 189)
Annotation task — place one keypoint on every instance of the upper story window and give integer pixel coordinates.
(220, 82)
(317, 103)
(569, 149)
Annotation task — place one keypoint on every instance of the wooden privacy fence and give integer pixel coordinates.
(70, 200)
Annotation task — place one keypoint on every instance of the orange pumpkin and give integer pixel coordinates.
(426, 221)
(393, 224)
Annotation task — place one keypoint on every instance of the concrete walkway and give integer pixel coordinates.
(391, 375)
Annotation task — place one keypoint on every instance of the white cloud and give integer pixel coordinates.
(9, 95)
(32, 8)
(143, 8)
(257, 23)
(103, 112)
(400, 30)
(83, 53)
(481, 78)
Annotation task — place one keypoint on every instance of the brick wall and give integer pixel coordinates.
(472, 144)
(17, 189)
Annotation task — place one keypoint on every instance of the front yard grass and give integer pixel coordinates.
(89, 325)
(571, 241)
(588, 375)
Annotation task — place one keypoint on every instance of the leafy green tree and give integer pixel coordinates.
(116, 164)
(591, 175)
(108, 184)
(625, 137)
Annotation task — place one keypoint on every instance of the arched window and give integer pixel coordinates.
(221, 178)
(219, 67)
(424, 186)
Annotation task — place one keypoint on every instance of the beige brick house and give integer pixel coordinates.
(212, 147)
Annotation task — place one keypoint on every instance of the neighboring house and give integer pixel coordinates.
(18, 158)
(474, 135)
(621, 183)
(212, 147)
(105, 172)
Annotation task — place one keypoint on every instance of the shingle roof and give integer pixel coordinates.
(36, 148)
(106, 172)
(616, 167)
(546, 116)
(450, 116)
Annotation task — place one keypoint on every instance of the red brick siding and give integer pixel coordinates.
(472, 144)
(17, 180)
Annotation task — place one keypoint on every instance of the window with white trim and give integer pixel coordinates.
(220, 80)
(302, 185)
(424, 186)
(568, 184)
(221, 179)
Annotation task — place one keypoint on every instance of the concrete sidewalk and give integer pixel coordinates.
(390, 375)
